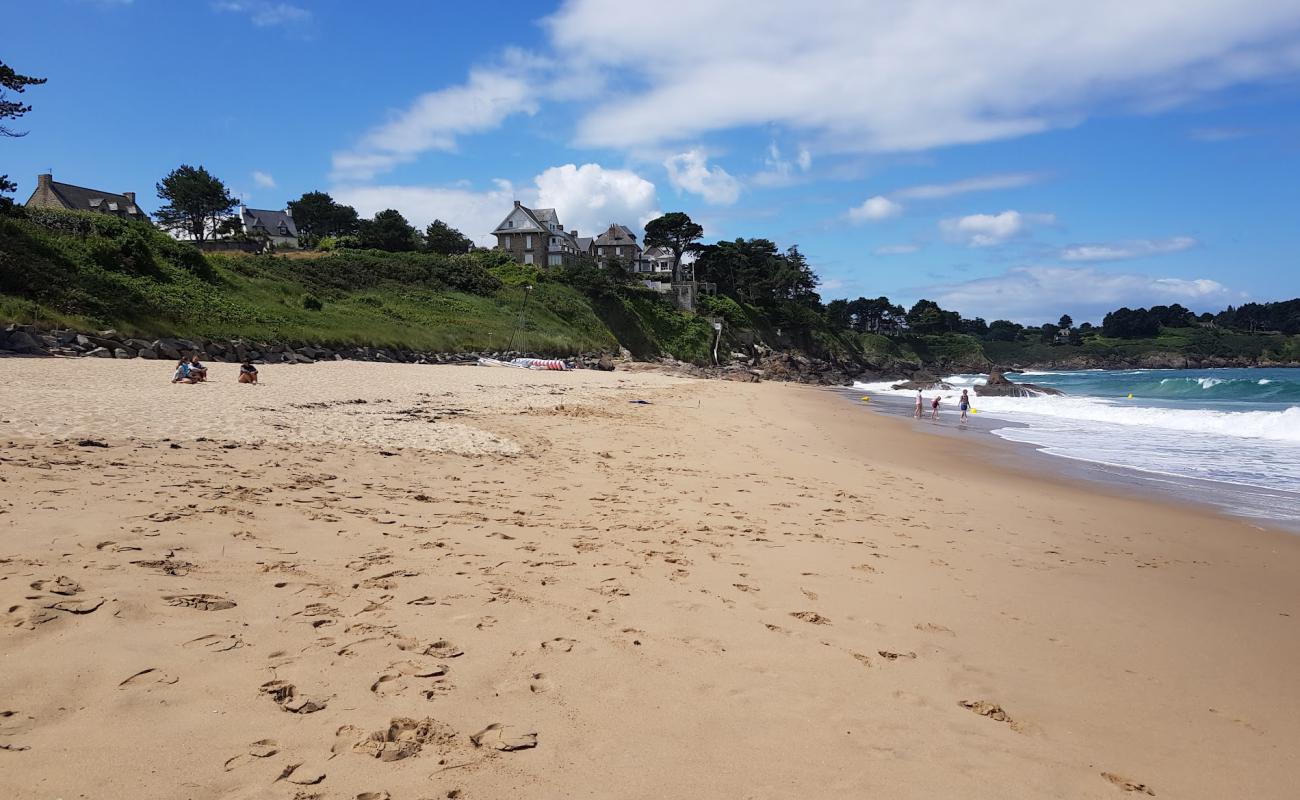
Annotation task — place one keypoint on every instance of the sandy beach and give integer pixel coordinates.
(361, 581)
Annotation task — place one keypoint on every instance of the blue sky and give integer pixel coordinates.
(1009, 159)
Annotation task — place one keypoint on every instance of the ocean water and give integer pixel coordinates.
(1227, 436)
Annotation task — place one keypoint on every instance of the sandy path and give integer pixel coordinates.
(737, 591)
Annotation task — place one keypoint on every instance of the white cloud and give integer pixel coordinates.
(1121, 251)
(984, 183)
(263, 180)
(1034, 294)
(266, 14)
(859, 75)
(780, 171)
(874, 209)
(690, 172)
(474, 214)
(587, 198)
(896, 249)
(590, 197)
(434, 121)
(988, 230)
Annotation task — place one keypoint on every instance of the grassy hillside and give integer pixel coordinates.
(89, 271)
(1200, 344)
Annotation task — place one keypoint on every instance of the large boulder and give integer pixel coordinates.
(998, 386)
(100, 352)
(122, 352)
(22, 342)
(146, 352)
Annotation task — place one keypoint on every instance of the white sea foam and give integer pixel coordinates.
(1280, 426)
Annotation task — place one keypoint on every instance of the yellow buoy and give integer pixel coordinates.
(973, 411)
(1130, 395)
(866, 399)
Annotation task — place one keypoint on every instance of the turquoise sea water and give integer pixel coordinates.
(1230, 436)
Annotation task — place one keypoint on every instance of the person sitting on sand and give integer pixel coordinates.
(247, 373)
(934, 408)
(197, 371)
(919, 400)
(964, 404)
(182, 373)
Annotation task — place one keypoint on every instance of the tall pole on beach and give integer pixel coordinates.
(523, 311)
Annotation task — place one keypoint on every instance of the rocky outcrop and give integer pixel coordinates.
(999, 386)
(27, 340)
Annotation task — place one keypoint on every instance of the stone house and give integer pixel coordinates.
(276, 227)
(535, 236)
(618, 243)
(55, 194)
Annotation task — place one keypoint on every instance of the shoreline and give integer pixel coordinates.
(1214, 496)
(734, 590)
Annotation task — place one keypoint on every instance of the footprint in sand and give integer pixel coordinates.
(540, 683)
(495, 736)
(302, 774)
(262, 748)
(61, 585)
(930, 627)
(216, 642)
(1124, 784)
(400, 675)
(891, 656)
(167, 566)
(811, 617)
(286, 695)
(150, 677)
(991, 710)
(200, 602)
(402, 739)
(559, 644)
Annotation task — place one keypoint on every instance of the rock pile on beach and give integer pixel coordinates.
(27, 340)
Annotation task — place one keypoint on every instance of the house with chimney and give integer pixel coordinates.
(535, 236)
(658, 260)
(275, 227)
(618, 243)
(56, 194)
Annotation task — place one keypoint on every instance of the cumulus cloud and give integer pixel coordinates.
(435, 120)
(474, 214)
(266, 14)
(983, 183)
(1123, 251)
(881, 76)
(590, 197)
(1033, 294)
(988, 230)
(874, 209)
(690, 172)
(896, 249)
(263, 179)
(587, 197)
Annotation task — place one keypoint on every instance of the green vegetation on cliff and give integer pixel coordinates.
(93, 271)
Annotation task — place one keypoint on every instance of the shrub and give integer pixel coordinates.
(312, 303)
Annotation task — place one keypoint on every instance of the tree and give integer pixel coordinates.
(389, 231)
(1004, 330)
(195, 202)
(677, 232)
(11, 81)
(440, 237)
(1066, 322)
(317, 215)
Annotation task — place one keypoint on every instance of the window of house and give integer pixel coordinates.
(528, 258)
(505, 241)
(554, 260)
(528, 243)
